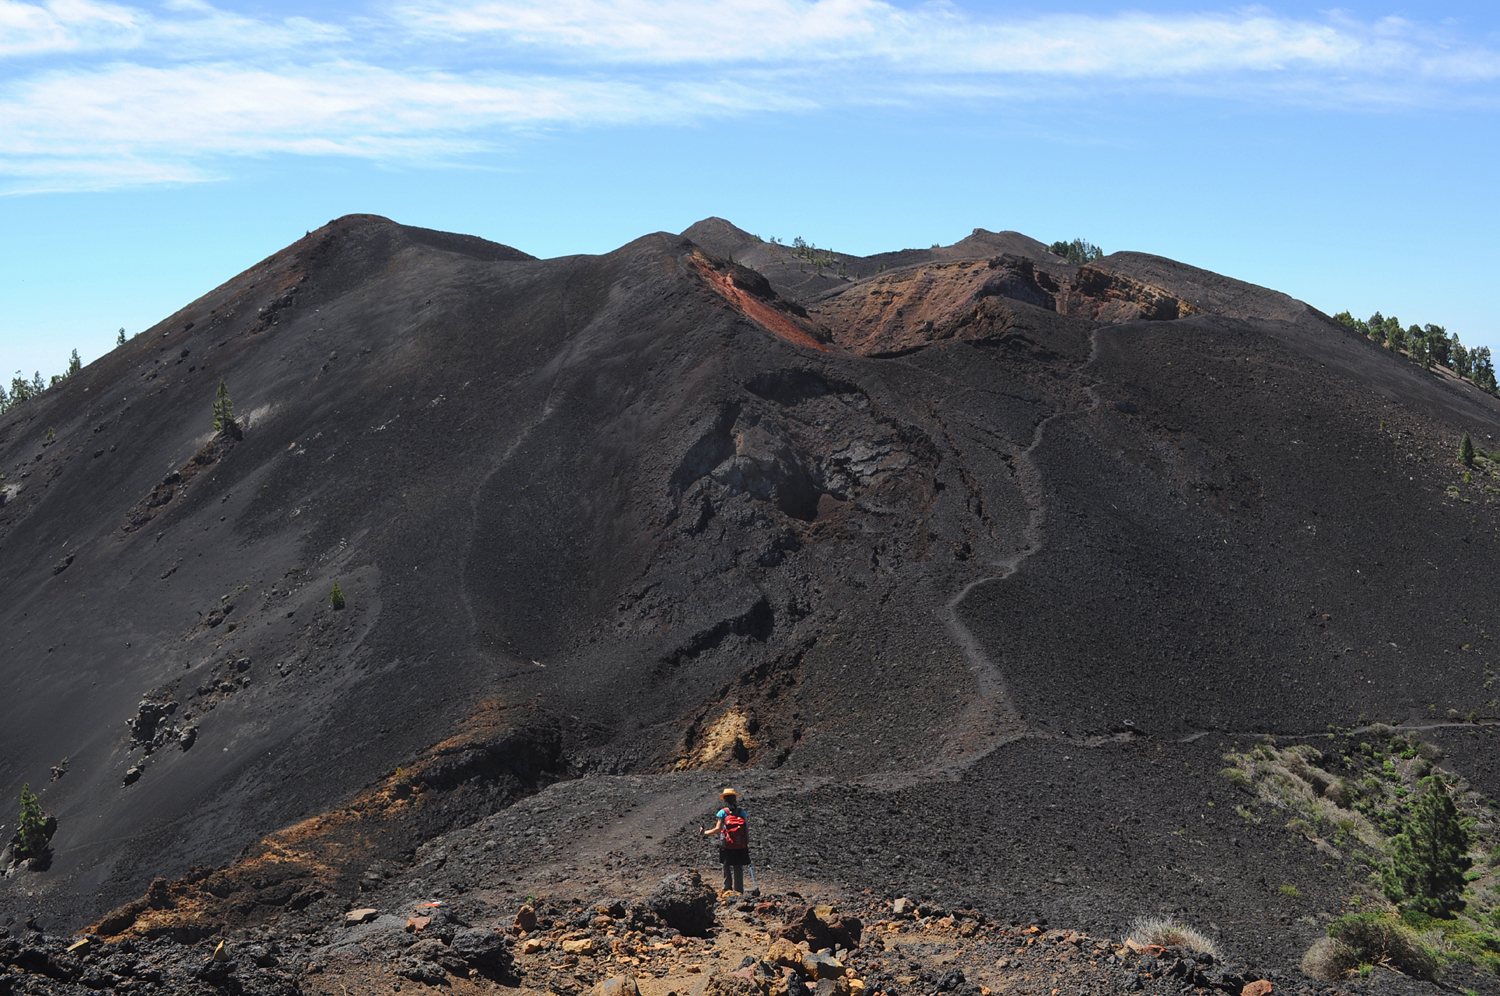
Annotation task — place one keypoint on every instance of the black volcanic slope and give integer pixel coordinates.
(699, 514)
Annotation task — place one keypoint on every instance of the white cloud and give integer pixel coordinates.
(941, 38)
(674, 30)
(64, 26)
(194, 29)
(110, 126)
(100, 94)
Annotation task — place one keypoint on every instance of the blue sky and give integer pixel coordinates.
(150, 151)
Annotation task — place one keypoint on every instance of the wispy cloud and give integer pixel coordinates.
(65, 26)
(941, 38)
(100, 94)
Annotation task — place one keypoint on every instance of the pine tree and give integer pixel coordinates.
(1429, 858)
(31, 834)
(223, 409)
(120, 339)
(1479, 360)
(1440, 344)
(336, 596)
(1462, 365)
(1418, 350)
(74, 364)
(1466, 451)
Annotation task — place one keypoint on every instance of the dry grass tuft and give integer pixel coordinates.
(1329, 959)
(1171, 933)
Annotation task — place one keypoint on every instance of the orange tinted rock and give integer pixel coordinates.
(526, 919)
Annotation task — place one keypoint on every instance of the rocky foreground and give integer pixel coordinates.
(683, 939)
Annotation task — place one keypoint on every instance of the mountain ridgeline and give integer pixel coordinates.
(698, 504)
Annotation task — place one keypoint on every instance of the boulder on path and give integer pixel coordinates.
(821, 965)
(684, 903)
(525, 920)
(952, 980)
(482, 947)
(784, 953)
(835, 932)
(618, 985)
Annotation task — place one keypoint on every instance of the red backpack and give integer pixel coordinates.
(735, 835)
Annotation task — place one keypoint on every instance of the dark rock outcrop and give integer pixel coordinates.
(685, 903)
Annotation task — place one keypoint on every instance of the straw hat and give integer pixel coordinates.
(729, 793)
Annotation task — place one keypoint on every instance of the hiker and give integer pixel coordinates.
(734, 840)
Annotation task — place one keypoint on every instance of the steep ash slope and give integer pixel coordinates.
(591, 484)
(679, 521)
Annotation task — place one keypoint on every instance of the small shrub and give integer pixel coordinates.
(1466, 451)
(1289, 891)
(1237, 775)
(1379, 937)
(336, 597)
(1171, 933)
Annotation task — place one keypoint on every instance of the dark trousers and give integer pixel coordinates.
(734, 860)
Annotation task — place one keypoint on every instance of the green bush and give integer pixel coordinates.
(336, 596)
(1466, 451)
(1372, 938)
(1464, 942)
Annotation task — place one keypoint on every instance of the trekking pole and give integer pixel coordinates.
(753, 883)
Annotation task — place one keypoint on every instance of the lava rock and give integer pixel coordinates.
(684, 903)
(951, 980)
(481, 947)
(618, 985)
